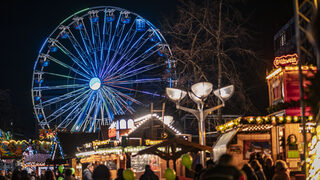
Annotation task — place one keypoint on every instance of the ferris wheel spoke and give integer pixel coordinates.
(62, 97)
(76, 45)
(66, 107)
(107, 109)
(73, 58)
(135, 90)
(117, 93)
(135, 81)
(86, 120)
(127, 52)
(66, 121)
(119, 96)
(128, 34)
(133, 63)
(64, 76)
(95, 38)
(103, 36)
(113, 101)
(111, 40)
(121, 101)
(137, 71)
(77, 125)
(95, 32)
(59, 87)
(87, 44)
(94, 116)
(115, 50)
(68, 67)
(127, 38)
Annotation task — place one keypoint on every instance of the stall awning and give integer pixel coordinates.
(221, 146)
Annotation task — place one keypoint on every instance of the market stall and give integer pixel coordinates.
(125, 139)
(279, 137)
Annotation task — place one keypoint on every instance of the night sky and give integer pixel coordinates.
(26, 24)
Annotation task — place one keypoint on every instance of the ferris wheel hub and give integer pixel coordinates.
(95, 83)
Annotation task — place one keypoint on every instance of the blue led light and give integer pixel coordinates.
(53, 49)
(110, 18)
(64, 35)
(95, 19)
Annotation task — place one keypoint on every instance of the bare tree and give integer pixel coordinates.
(210, 43)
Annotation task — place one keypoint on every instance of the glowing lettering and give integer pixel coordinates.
(290, 59)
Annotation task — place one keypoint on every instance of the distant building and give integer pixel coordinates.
(285, 39)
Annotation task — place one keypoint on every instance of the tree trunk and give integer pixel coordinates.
(219, 50)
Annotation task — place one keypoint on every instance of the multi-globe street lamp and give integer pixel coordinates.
(199, 93)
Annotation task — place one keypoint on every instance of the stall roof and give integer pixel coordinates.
(221, 146)
(148, 124)
(173, 144)
(247, 128)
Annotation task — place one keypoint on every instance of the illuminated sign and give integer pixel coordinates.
(104, 142)
(290, 59)
(99, 143)
(112, 132)
(152, 142)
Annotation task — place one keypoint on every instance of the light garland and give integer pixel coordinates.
(139, 123)
(114, 150)
(313, 160)
(289, 68)
(274, 120)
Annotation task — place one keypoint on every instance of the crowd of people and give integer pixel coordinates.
(257, 168)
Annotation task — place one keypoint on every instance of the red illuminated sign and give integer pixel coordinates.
(290, 59)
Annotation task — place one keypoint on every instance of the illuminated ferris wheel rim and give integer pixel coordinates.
(94, 82)
(105, 7)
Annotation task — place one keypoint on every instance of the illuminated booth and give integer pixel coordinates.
(278, 134)
(125, 138)
(278, 137)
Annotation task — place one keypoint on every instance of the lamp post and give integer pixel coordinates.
(199, 92)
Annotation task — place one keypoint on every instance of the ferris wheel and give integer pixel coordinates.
(97, 63)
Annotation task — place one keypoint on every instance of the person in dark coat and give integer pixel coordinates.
(68, 175)
(87, 173)
(247, 169)
(281, 171)
(268, 168)
(148, 174)
(120, 174)
(198, 171)
(258, 169)
(101, 172)
(224, 170)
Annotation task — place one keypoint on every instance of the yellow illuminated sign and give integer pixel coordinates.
(99, 143)
(152, 142)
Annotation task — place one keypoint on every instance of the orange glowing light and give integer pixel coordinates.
(290, 59)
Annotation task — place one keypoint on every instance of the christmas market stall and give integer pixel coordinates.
(173, 149)
(278, 137)
(280, 134)
(125, 138)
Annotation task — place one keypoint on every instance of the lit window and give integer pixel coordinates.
(283, 39)
(130, 124)
(123, 124)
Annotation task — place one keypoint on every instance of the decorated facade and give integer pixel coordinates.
(280, 133)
